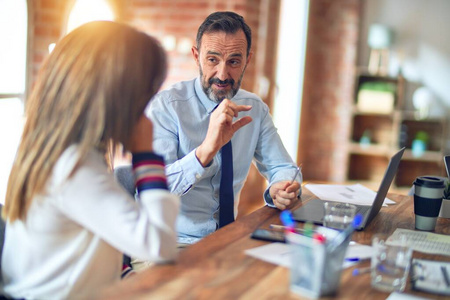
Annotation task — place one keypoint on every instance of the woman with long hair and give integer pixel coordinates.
(68, 220)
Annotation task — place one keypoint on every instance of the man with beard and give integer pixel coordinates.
(195, 120)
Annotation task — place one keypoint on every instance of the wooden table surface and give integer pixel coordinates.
(217, 268)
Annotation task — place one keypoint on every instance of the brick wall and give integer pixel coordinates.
(175, 20)
(329, 69)
(46, 25)
(328, 88)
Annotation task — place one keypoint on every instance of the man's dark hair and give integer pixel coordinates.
(226, 21)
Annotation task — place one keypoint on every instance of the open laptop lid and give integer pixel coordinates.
(384, 186)
(313, 210)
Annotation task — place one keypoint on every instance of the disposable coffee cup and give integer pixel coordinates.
(428, 193)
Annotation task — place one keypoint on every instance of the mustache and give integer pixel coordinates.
(218, 81)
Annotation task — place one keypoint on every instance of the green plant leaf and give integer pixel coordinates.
(447, 191)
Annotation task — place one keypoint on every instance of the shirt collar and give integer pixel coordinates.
(207, 103)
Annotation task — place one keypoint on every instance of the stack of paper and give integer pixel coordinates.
(353, 194)
(279, 253)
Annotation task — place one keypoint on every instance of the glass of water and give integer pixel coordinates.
(390, 264)
(338, 215)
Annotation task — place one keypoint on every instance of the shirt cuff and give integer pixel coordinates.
(199, 170)
(269, 201)
(267, 198)
(149, 170)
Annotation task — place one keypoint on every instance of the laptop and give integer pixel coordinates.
(313, 210)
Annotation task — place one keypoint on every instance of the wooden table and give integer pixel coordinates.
(217, 268)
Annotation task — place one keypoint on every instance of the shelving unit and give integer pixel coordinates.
(376, 136)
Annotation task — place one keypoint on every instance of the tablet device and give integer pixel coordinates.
(268, 235)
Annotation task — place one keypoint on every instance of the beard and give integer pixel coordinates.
(218, 96)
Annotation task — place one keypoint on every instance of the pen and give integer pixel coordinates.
(353, 259)
(287, 220)
(319, 238)
(445, 274)
(356, 259)
(344, 234)
(296, 173)
(309, 229)
(296, 229)
(361, 271)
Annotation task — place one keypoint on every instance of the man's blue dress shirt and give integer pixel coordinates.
(180, 118)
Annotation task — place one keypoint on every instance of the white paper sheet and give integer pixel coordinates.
(431, 276)
(403, 296)
(279, 253)
(353, 194)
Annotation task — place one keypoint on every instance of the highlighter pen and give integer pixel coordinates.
(309, 229)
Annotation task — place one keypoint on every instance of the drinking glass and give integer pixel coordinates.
(390, 264)
(338, 215)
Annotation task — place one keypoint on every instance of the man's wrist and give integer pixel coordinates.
(204, 159)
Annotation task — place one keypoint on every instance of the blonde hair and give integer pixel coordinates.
(91, 90)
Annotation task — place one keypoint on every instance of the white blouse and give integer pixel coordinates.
(74, 236)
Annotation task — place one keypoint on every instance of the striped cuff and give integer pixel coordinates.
(126, 271)
(149, 171)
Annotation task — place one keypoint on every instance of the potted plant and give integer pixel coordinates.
(445, 207)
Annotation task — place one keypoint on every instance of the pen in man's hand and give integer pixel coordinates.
(296, 173)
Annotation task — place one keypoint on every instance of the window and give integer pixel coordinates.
(13, 51)
(13, 33)
(290, 69)
(89, 10)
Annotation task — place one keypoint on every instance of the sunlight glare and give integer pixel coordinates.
(85, 11)
(13, 33)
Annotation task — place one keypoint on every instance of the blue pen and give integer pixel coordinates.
(356, 259)
(361, 271)
(380, 268)
(352, 259)
(287, 220)
(344, 234)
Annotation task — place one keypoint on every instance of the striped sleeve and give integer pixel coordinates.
(149, 171)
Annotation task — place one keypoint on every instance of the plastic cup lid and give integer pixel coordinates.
(429, 181)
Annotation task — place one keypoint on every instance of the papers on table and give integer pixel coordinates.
(274, 253)
(403, 296)
(353, 194)
(422, 241)
(279, 253)
(431, 276)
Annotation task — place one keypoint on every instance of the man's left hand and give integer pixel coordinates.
(284, 193)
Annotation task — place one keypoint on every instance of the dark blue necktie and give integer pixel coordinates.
(226, 209)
